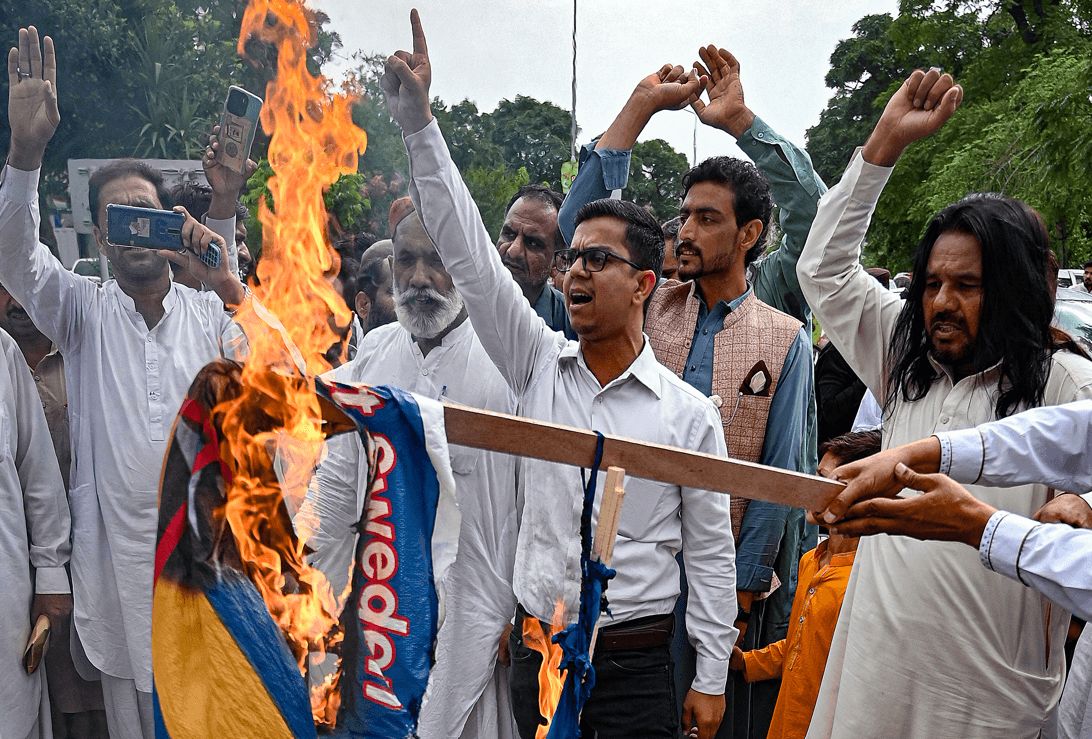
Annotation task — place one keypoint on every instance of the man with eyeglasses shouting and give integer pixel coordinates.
(610, 381)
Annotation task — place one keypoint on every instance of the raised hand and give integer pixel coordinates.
(726, 108)
(32, 99)
(406, 80)
(669, 88)
(918, 109)
(223, 179)
(196, 238)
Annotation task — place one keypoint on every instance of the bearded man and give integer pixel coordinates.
(432, 351)
(928, 642)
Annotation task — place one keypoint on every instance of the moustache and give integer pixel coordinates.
(681, 246)
(411, 297)
(949, 318)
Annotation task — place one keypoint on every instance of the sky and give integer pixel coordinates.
(495, 49)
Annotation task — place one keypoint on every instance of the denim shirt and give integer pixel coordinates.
(791, 429)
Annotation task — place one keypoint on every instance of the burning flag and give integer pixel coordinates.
(223, 665)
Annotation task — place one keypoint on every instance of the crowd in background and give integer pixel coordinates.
(729, 617)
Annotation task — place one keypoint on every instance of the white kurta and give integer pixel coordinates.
(479, 600)
(929, 643)
(34, 530)
(125, 386)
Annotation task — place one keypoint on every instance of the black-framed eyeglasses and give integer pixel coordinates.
(594, 259)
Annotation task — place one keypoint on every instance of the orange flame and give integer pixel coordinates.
(551, 680)
(313, 142)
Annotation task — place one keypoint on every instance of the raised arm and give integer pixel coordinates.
(53, 297)
(795, 186)
(514, 336)
(857, 313)
(604, 164)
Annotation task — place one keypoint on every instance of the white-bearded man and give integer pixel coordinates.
(432, 350)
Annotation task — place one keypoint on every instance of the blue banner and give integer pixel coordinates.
(391, 618)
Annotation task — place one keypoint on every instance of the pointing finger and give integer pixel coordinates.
(420, 45)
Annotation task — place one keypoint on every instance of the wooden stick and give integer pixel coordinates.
(526, 437)
(606, 529)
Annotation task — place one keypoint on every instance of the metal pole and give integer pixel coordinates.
(572, 129)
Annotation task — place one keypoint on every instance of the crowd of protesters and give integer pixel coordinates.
(728, 617)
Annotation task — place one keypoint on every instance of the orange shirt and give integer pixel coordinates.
(800, 657)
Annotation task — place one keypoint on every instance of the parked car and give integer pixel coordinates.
(1070, 277)
(1073, 314)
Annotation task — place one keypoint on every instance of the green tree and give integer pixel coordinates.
(1022, 130)
(655, 178)
(533, 135)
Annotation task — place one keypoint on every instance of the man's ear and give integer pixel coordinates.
(100, 242)
(748, 234)
(645, 285)
(362, 304)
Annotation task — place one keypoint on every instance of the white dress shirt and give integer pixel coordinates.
(126, 383)
(1050, 445)
(548, 375)
(478, 592)
(34, 531)
(960, 646)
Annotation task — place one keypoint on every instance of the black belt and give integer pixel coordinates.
(638, 633)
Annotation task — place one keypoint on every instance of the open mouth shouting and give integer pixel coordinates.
(578, 297)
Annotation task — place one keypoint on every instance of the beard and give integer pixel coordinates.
(425, 312)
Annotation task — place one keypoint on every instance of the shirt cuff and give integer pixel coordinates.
(221, 225)
(962, 455)
(51, 581)
(711, 674)
(19, 186)
(615, 164)
(426, 149)
(1002, 542)
(870, 179)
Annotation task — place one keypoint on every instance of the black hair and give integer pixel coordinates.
(1015, 332)
(852, 446)
(644, 237)
(1087, 264)
(671, 228)
(750, 191)
(123, 168)
(544, 195)
(195, 197)
(540, 193)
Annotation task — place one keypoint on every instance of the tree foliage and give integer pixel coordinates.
(1023, 129)
(655, 178)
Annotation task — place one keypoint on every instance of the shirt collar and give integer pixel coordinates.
(947, 371)
(170, 300)
(695, 292)
(645, 369)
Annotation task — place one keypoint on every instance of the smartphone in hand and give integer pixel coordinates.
(238, 125)
(147, 228)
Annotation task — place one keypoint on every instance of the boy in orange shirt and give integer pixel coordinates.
(799, 658)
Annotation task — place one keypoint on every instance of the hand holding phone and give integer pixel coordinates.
(148, 228)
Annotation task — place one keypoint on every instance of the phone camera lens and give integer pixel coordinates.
(236, 103)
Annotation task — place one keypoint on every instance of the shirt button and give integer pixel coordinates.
(704, 331)
(424, 372)
(945, 419)
(37, 378)
(801, 619)
(811, 591)
(149, 339)
(693, 368)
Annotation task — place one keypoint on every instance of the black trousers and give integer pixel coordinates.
(634, 693)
